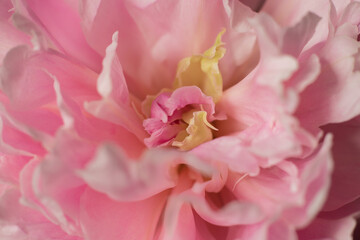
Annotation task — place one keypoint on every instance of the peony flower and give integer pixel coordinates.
(172, 120)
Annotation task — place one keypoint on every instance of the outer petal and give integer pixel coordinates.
(29, 87)
(62, 24)
(297, 37)
(346, 152)
(22, 223)
(106, 219)
(333, 96)
(328, 229)
(10, 36)
(10, 167)
(55, 187)
(314, 183)
(255, 5)
(110, 172)
(290, 12)
(124, 179)
(293, 190)
(15, 141)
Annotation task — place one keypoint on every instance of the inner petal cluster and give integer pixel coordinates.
(181, 117)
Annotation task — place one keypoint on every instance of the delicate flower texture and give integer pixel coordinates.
(184, 119)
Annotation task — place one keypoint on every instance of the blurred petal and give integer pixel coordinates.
(22, 223)
(106, 219)
(10, 36)
(63, 26)
(123, 179)
(328, 229)
(333, 96)
(255, 5)
(346, 153)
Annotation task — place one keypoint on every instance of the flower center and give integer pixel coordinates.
(181, 117)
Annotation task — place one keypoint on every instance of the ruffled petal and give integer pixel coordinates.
(300, 185)
(332, 97)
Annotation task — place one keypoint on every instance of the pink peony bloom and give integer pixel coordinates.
(172, 120)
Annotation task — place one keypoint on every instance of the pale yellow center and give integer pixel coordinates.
(201, 71)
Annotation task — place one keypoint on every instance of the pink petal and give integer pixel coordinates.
(22, 223)
(281, 230)
(240, 42)
(15, 79)
(112, 173)
(162, 135)
(165, 105)
(115, 103)
(167, 108)
(315, 183)
(255, 5)
(21, 78)
(54, 186)
(10, 36)
(102, 19)
(90, 127)
(231, 151)
(111, 81)
(346, 172)
(297, 37)
(122, 116)
(185, 226)
(249, 232)
(125, 179)
(294, 190)
(332, 97)
(189, 95)
(106, 219)
(329, 229)
(288, 13)
(233, 213)
(16, 141)
(10, 167)
(44, 204)
(63, 25)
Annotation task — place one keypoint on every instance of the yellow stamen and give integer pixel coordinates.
(196, 133)
(203, 70)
